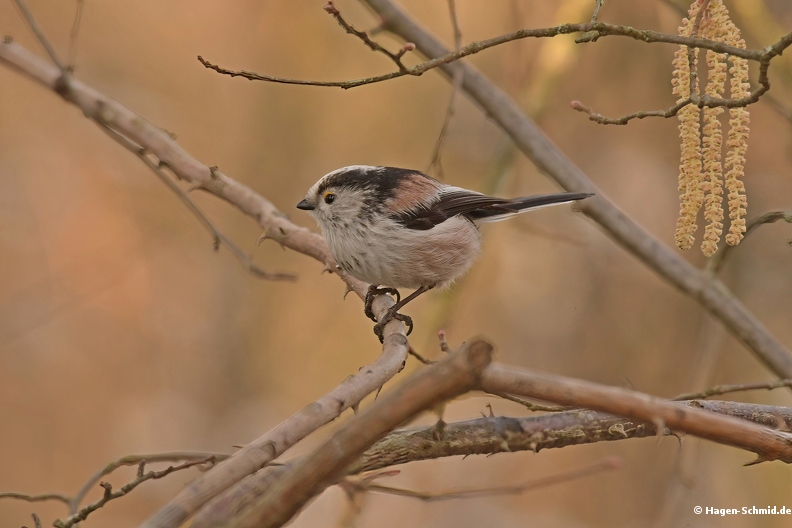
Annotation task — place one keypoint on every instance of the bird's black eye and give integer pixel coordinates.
(329, 197)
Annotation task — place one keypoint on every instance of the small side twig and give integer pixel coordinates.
(135, 460)
(456, 83)
(75, 32)
(608, 464)
(218, 236)
(39, 34)
(716, 262)
(597, 7)
(36, 498)
(362, 35)
(531, 406)
(719, 390)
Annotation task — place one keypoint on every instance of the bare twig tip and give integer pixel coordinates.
(331, 8)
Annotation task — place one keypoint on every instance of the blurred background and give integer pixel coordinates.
(123, 332)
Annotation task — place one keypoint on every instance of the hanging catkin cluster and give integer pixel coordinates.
(701, 178)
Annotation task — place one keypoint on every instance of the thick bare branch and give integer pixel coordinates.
(434, 384)
(487, 436)
(504, 434)
(766, 443)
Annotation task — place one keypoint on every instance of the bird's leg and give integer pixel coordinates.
(372, 292)
(392, 313)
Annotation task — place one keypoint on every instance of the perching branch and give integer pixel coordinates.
(109, 113)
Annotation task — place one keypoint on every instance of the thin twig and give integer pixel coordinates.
(763, 56)
(134, 460)
(36, 498)
(531, 406)
(419, 357)
(716, 262)
(75, 32)
(597, 7)
(30, 20)
(725, 389)
(608, 464)
(362, 35)
(109, 494)
(779, 107)
(436, 160)
(36, 520)
(218, 236)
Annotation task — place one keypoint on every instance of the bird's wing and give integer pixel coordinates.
(450, 202)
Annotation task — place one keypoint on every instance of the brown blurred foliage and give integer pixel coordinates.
(121, 331)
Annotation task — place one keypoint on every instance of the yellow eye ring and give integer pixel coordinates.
(329, 197)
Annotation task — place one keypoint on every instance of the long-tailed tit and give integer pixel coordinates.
(399, 228)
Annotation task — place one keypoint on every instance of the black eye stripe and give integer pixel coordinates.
(380, 180)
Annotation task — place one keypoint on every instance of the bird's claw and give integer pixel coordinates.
(372, 292)
(379, 328)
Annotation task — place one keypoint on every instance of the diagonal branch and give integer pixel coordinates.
(110, 113)
(711, 293)
(503, 434)
(327, 464)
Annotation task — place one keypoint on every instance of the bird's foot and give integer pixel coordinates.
(372, 292)
(392, 314)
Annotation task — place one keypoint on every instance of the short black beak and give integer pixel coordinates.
(305, 205)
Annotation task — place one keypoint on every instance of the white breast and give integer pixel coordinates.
(392, 255)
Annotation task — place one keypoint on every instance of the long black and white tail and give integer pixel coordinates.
(516, 206)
